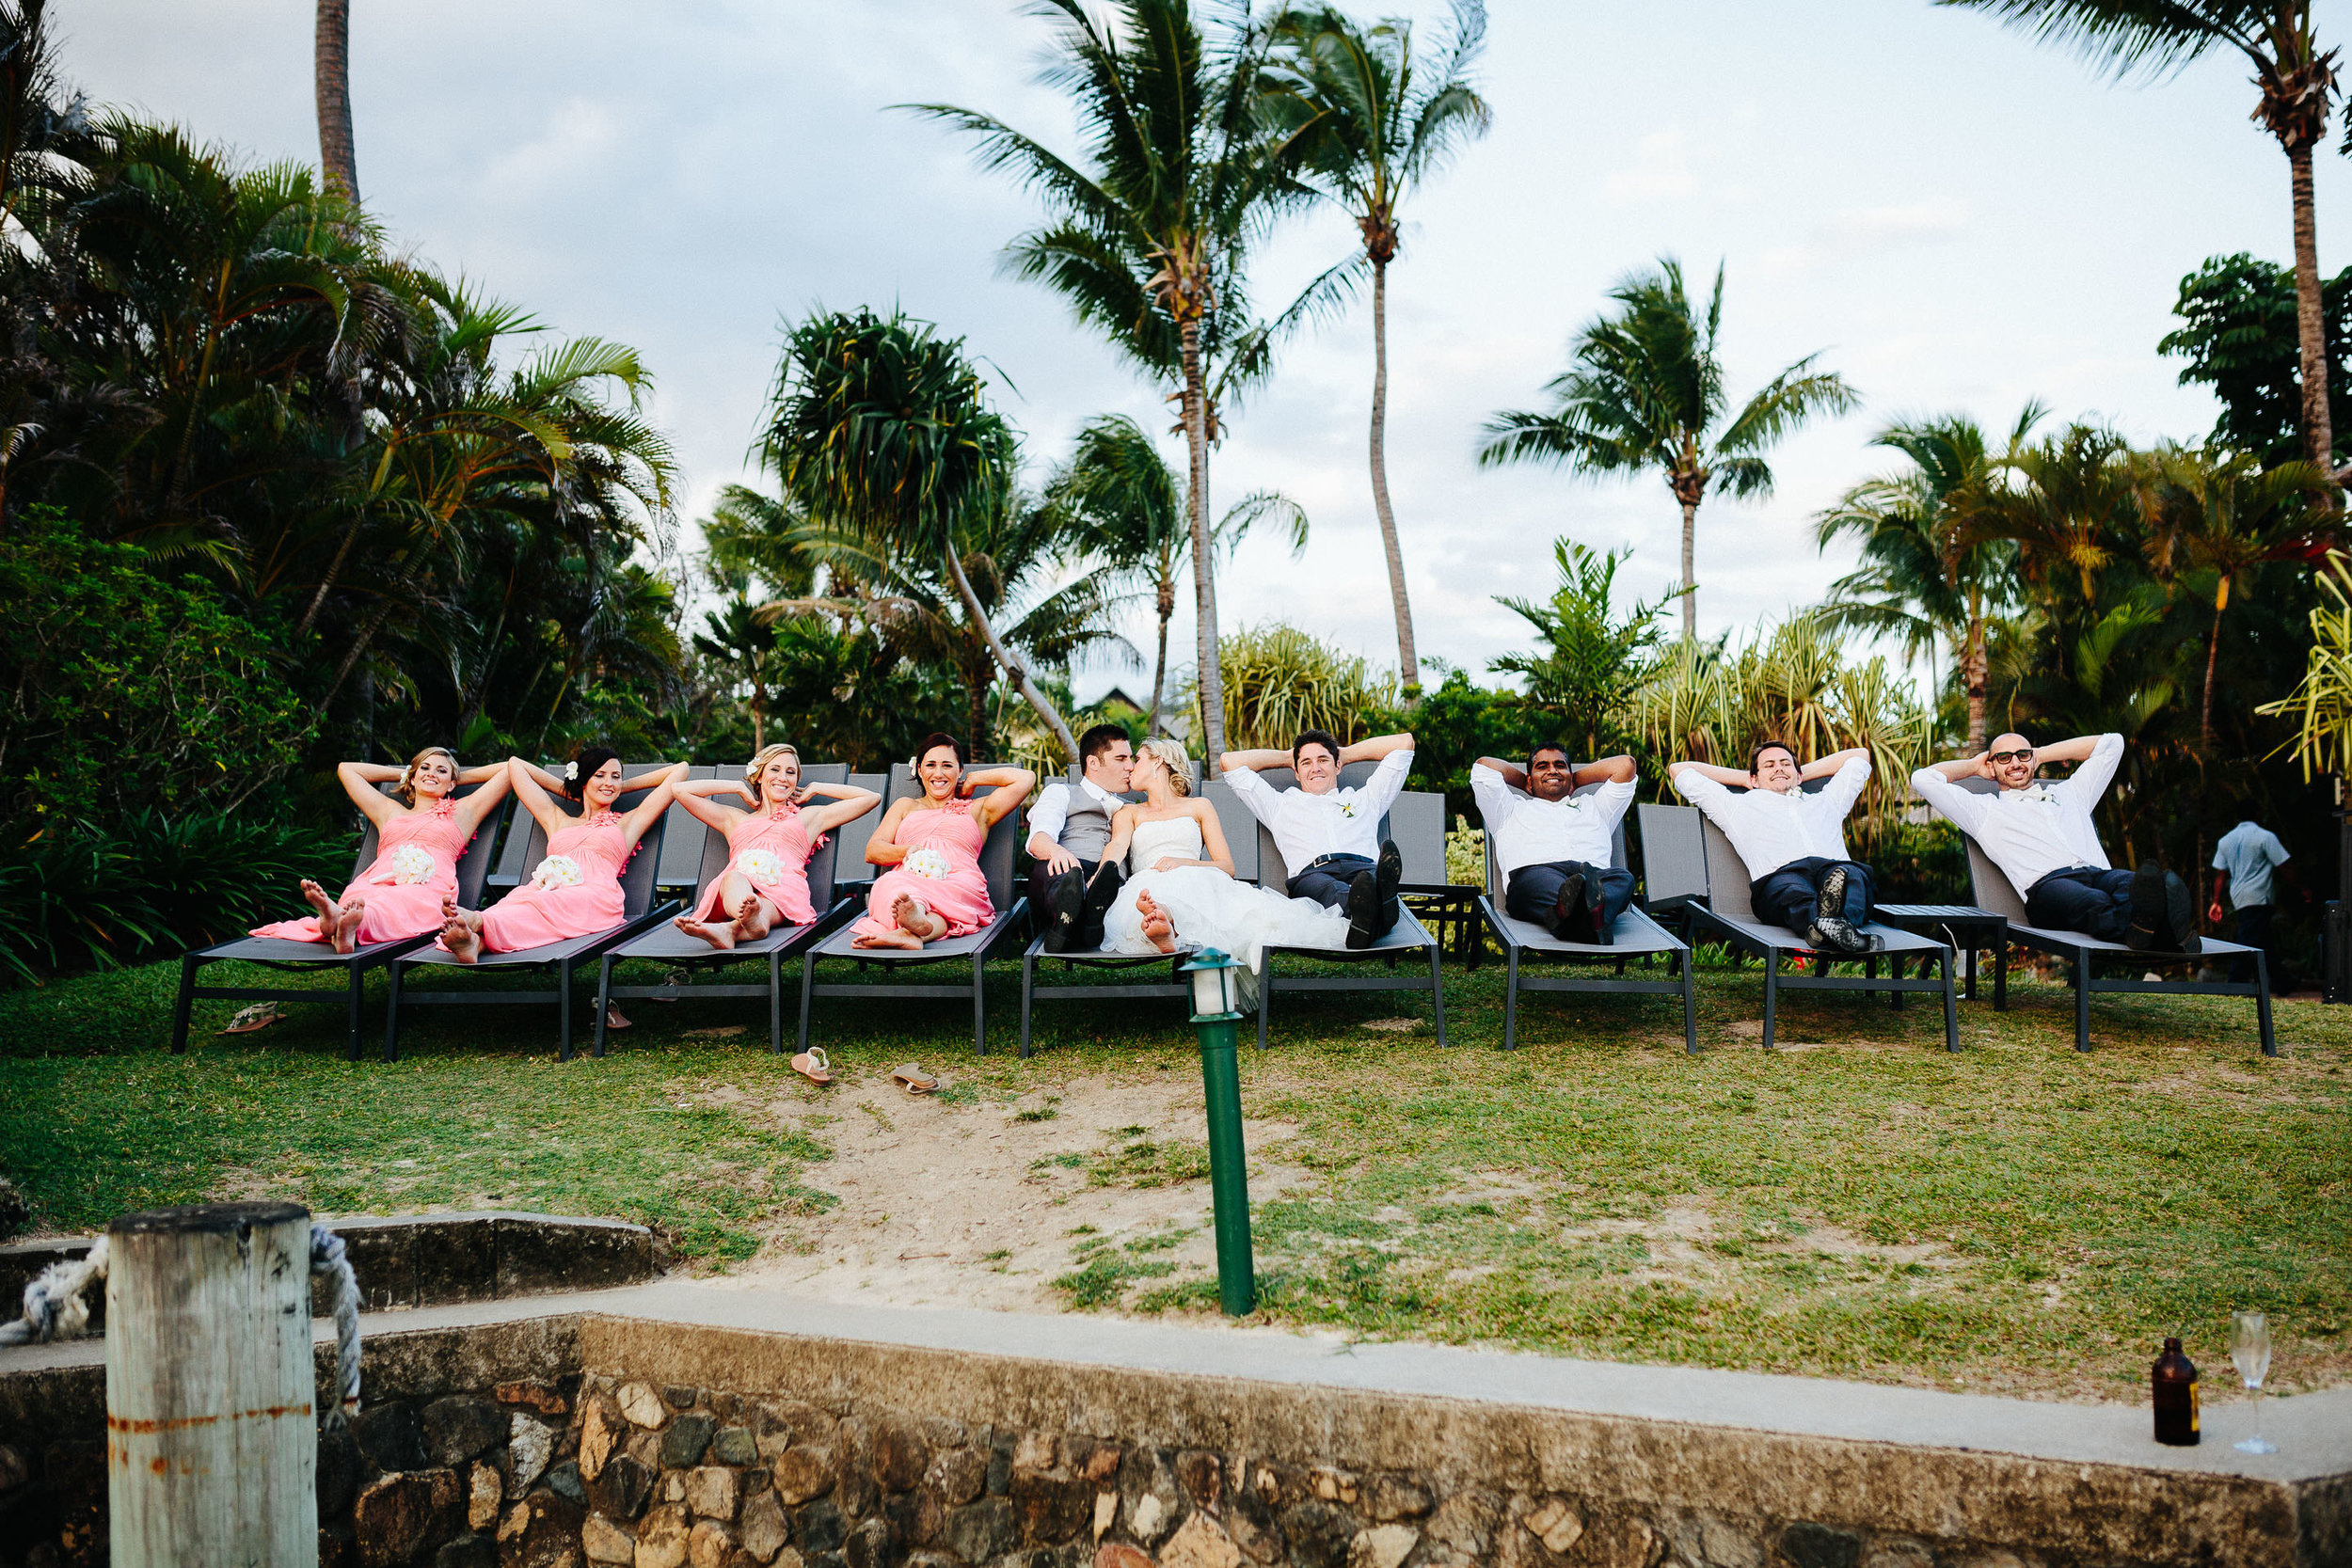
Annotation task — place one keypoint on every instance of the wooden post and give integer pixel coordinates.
(211, 1444)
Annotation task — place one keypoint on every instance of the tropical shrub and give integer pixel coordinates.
(123, 687)
(1279, 680)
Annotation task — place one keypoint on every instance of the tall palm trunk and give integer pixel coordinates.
(1020, 677)
(2318, 432)
(331, 75)
(2213, 656)
(1159, 671)
(1689, 580)
(333, 569)
(1212, 678)
(1973, 675)
(1408, 663)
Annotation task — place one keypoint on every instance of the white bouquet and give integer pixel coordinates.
(927, 862)
(411, 864)
(760, 865)
(557, 871)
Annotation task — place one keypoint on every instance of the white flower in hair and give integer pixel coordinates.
(760, 865)
(927, 862)
(571, 771)
(557, 871)
(411, 864)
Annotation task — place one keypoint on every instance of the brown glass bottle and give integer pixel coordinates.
(2173, 1379)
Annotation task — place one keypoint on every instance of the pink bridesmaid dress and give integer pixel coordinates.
(398, 908)
(960, 897)
(541, 911)
(773, 840)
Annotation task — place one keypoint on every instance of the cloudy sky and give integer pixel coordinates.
(1954, 219)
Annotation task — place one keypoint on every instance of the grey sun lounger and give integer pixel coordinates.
(1992, 890)
(996, 861)
(1690, 863)
(665, 943)
(1634, 936)
(473, 868)
(565, 958)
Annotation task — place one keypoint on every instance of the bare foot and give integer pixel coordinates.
(1158, 929)
(463, 942)
(751, 919)
(317, 895)
(721, 937)
(886, 938)
(918, 921)
(344, 932)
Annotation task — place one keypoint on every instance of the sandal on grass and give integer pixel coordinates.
(259, 1016)
(612, 1019)
(811, 1065)
(913, 1079)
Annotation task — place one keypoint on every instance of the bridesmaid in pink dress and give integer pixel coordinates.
(420, 832)
(576, 891)
(765, 884)
(932, 885)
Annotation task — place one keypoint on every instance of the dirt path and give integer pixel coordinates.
(983, 1203)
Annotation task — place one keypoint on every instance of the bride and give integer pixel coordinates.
(1180, 892)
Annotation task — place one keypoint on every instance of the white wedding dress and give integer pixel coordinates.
(1208, 908)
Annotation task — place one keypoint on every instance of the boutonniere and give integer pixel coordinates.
(2037, 792)
(1348, 809)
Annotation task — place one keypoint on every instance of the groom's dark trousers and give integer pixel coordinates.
(1534, 892)
(1326, 882)
(1789, 896)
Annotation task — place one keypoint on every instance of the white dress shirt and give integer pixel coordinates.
(1308, 827)
(2032, 831)
(1526, 831)
(1771, 829)
(1051, 814)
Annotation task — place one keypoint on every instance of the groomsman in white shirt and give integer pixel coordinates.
(2041, 834)
(1331, 838)
(1793, 844)
(1555, 847)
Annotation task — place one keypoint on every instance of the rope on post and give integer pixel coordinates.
(54, 1308)
(326, 1258)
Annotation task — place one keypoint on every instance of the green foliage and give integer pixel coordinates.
(123, 687)
(2239, 334)
(1591, 658)
(1279, 680)
(1455, 725)
(2321, 703)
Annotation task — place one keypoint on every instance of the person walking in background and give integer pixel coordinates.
(1068, 828)
(2244, 864)
(1552, 846)
(1793, 844)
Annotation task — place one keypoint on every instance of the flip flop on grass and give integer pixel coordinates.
(913, 1079)
(259, 1016)
(811, 1065)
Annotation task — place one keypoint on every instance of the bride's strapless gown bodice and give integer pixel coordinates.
(1207, 907)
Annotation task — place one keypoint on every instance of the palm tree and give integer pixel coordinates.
(2229, 516)
(1921, 577)
(2295, 78)
(2068, 504)
(331, 82)
(1148, 234)
(1646, 391)
(1374, 128)
(879, 428)
(736, 641)
(1120, 502)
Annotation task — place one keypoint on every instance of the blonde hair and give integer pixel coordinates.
(1172, 754)
(758, 765)
(406, 790)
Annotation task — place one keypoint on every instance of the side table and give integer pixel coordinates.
(1965, 927)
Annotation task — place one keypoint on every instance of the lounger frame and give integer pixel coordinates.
(310, 957)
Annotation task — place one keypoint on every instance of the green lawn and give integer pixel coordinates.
(1860, 1203)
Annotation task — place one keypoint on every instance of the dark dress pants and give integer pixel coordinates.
(2253, 930)
(1534, 892)
(1790, 896)
(1327, 881)
(1041, 901)
(2096, 903)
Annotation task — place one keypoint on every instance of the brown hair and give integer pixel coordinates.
(1172, 754)
(406, 790)
(758, 765)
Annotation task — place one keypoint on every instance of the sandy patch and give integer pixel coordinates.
(982, 1204)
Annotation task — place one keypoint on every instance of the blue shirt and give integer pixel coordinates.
(2248, 852)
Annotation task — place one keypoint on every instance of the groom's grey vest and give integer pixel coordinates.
(1087, 830)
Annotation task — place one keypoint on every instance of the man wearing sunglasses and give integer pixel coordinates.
(1793, 844)
(2041, 834)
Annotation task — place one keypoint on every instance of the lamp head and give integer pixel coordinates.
(1216, 985)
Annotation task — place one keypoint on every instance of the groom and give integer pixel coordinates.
(1068, 828)
(1331, 838)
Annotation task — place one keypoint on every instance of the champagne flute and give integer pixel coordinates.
(2250, 1349)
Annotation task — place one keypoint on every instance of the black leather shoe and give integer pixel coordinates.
(2146, 930)
(1571, 921)
(1363, 910)
(1599, 914)
(1066, 897)
(2180, 913)
(1829, 903)
(1389, 869)
(1100, 894)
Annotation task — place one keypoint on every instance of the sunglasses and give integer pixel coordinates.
(1997, 758)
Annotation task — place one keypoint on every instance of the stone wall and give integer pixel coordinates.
(584, 1440)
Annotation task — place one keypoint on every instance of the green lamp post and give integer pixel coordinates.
(1215, 1010)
